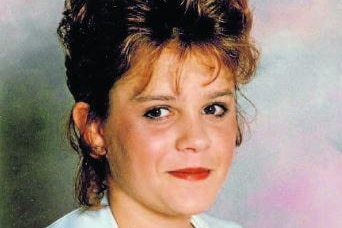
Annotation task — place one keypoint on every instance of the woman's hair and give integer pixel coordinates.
(101, 39)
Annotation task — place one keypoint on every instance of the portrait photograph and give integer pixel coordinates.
(171, 114)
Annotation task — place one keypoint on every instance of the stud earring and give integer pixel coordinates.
(98, 151)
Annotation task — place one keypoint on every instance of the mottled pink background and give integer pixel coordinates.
(288, 171)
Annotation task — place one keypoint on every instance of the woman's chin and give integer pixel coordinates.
(191, 205)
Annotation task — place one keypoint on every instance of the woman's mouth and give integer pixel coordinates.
(191, 174)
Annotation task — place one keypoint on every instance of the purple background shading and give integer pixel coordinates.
(286, 174)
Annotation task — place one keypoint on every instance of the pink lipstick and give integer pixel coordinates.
(191, 174)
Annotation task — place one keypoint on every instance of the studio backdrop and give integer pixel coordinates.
(288, 171)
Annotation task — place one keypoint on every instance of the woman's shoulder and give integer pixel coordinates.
(86, 218)
(207, 221)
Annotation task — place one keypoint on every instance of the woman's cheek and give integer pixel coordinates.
(155, 138)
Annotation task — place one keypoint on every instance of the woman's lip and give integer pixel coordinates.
(191, 174)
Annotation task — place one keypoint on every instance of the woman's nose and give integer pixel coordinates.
(192, 135)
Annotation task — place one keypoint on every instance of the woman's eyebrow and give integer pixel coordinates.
(141, 99)
(213, 95)
(223, 93)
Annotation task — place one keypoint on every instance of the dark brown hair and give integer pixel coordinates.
(102, 37)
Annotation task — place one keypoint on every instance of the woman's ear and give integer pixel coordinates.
(90, 130)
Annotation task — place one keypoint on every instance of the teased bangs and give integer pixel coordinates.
(144, 58)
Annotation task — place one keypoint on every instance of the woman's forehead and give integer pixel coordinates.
(177, 68)
(170, 63)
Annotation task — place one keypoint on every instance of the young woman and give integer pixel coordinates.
(155, 119)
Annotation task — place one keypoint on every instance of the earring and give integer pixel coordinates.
(98, 151)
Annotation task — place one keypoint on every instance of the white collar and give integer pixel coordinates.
(195, 220)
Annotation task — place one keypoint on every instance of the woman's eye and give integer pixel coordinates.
(157, 113)
(217, 110)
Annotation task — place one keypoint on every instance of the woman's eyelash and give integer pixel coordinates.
(216, 109)
(157, 113)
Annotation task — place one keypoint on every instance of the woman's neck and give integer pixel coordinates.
(130, 213)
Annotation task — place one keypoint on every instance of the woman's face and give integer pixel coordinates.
(169, 149)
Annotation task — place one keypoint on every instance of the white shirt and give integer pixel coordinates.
(103, 218)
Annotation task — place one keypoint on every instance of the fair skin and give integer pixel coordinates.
(169, 149)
